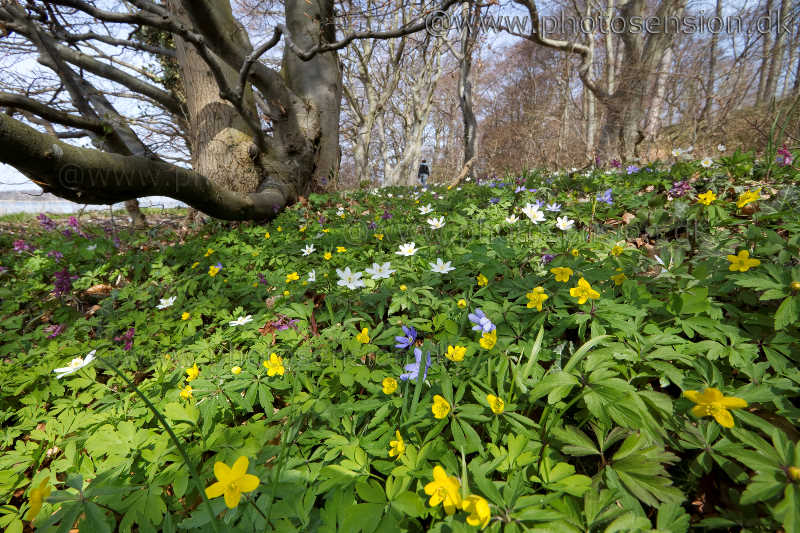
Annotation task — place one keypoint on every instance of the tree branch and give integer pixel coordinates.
(94, 177)
(17, 101)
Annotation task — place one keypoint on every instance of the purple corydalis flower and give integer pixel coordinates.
(73, 223)
(22, 246)
(605, 197)
(372, 225)
(62, 283)
(128, 338)
(784, 157)
(56, 255)
(283, 322)
(680, 188)
(616, 163)
(386, 215)
(46, 222)
(481, 321)
(262, 280)
(412, 369)
(54, 330)
(546, 258)
(408, 340)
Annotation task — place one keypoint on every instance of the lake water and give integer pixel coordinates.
(65, 206)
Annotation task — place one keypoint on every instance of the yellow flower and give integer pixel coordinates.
(398, 446)
(562, 274)
(795, 286)
(37, 497)
(617, 250)
(255, 284)
(185, 316)
(583, 291)
(280, 228)
(326, 230)
(575, 252)
(482, 281)
(340, 249)
(455, 353)
(462, 303)
(794, 473)
(444, 489)
(236, 370)
(478, 509)
(706, 198)
(403, 287)
(440, 407)
(292, 277)
(213, 270)
(274, 365)
(192, 373)
(186, 392)
(389, 385)
(208, 252)
(497, 405)
(712, 402)
(363, 337)
(194, 265)
(327, 255)
(536, 298)
(266, 235)
(378, 236)
(748, 197)
(232, 481)
(619, 278)
(488, 340)
(286, 293)
(302, 229)
(742, 262)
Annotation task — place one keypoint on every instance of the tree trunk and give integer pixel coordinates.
(470, 138)
(765, 58)
(776, 59)
(712, 65)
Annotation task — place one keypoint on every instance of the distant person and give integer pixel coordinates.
(423, 173)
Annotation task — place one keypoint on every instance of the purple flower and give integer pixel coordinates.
(520, 188)
(63, 281)
(680, 188)
(605, 197)
(546, 258)
(372, 225)
(56, 255)
(262, 280)
(631, 169)
(412, 369)
(616, 163)
(3, 269)
(22, 246)
(67, 233)
(46, 222)
(55, 330)
(283, 322)
(73, 223)
(128, 338)
(494, 200)
(784, 157)
(386, 215)
(481, 321)
(408, 340)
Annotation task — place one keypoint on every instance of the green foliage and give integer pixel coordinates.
(574, 420)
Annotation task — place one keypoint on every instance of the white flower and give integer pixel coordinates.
(241, 321)
(91, 247)
(166, 302)
(706, 162)
(436, 223)
(425, 209)
(440, 267)
(351, 280)
(380, 271)
(340, 211)
(312, 276)
(553, 208)
(309, 249)
(721, 147)
(676, 152)
(533, 213)
(407, 249)
(564, 223)
(389, 195)
(74, 365)
(512, 219)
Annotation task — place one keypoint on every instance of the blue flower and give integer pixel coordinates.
(605, 197)
(412, 369)
(519, 189)
(554, 207)
(481, 321)
(631, 169)
(494, 200)
(406, 341)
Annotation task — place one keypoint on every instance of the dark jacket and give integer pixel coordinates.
(423, 169)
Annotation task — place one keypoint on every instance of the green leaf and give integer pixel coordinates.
(788, 312)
